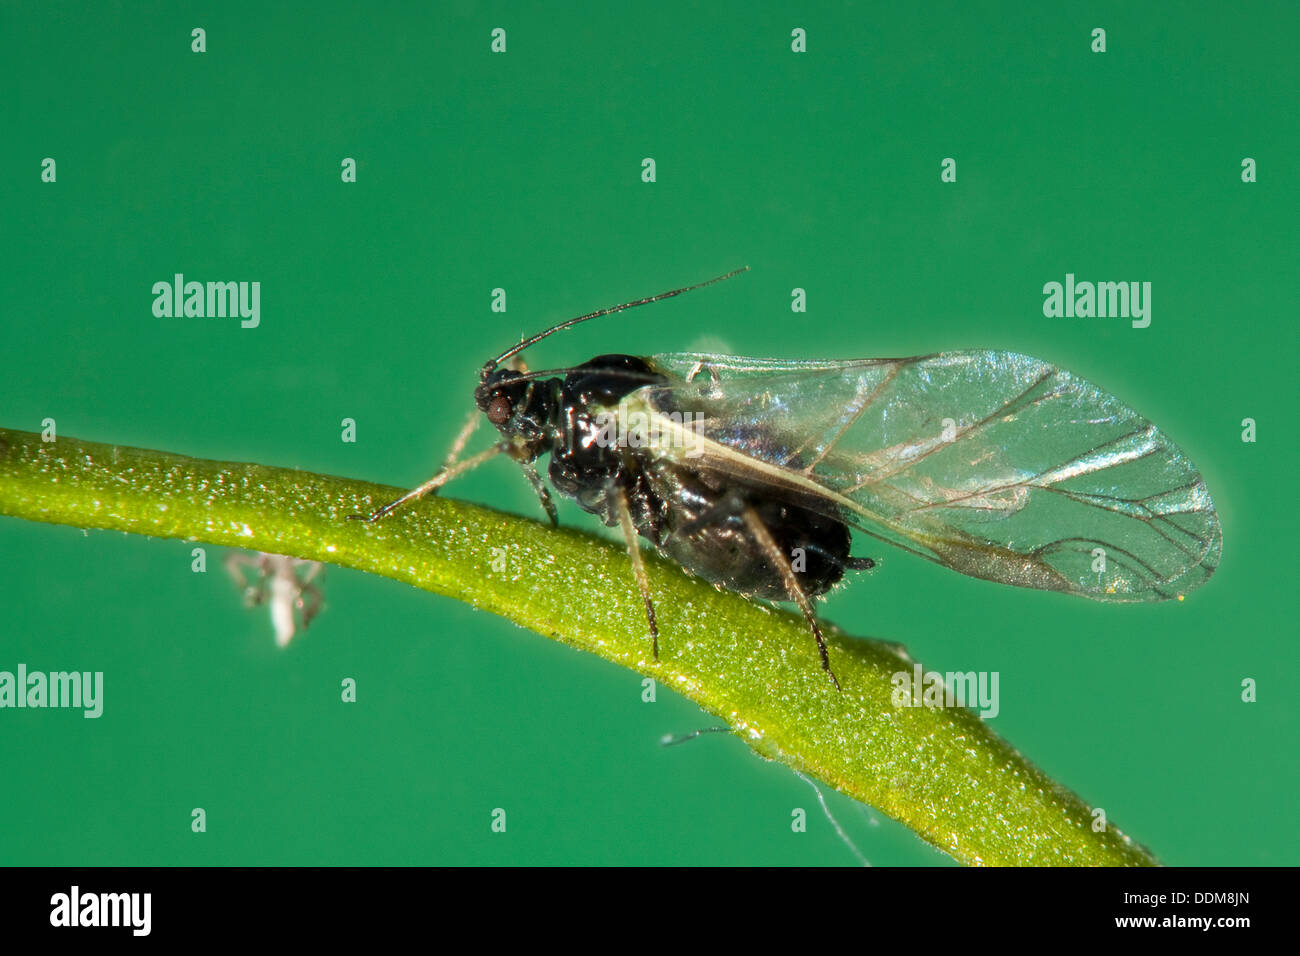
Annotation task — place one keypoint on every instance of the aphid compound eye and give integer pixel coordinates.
(499, 410)
(499, 394)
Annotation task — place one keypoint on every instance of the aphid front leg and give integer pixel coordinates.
(462, 438)
(638, 563)
(444, 475)
(768, 544)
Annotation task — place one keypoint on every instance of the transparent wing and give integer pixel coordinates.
(997, 465)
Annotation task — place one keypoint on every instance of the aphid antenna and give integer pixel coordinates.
(489, 366)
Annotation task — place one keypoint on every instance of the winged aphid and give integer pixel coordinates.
(750, 473)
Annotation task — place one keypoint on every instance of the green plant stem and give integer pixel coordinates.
(940, 771)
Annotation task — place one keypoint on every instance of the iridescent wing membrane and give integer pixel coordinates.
(994, 464)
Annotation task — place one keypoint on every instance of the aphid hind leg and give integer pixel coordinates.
(768, 544)
(638, 563)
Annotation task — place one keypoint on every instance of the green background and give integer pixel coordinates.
(819, 170)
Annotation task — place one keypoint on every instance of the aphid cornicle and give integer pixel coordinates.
(751, 473)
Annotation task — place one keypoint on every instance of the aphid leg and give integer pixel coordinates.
(314, 569)
(792, 587)
(457, 446)
(433, 484)
(235, 562)
(638, 564)
(310, 599)
(254, 593)
(309, 602)
(462, 437)
(543, 495)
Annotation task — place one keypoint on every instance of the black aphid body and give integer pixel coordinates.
(720, 548)
(995, 464)
(692, 514)
(732, 527)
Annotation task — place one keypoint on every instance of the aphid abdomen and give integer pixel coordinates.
(816, 546)
(711, 540)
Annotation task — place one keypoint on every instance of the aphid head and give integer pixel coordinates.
(520, 406)
(523, 406)
(499, 394)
